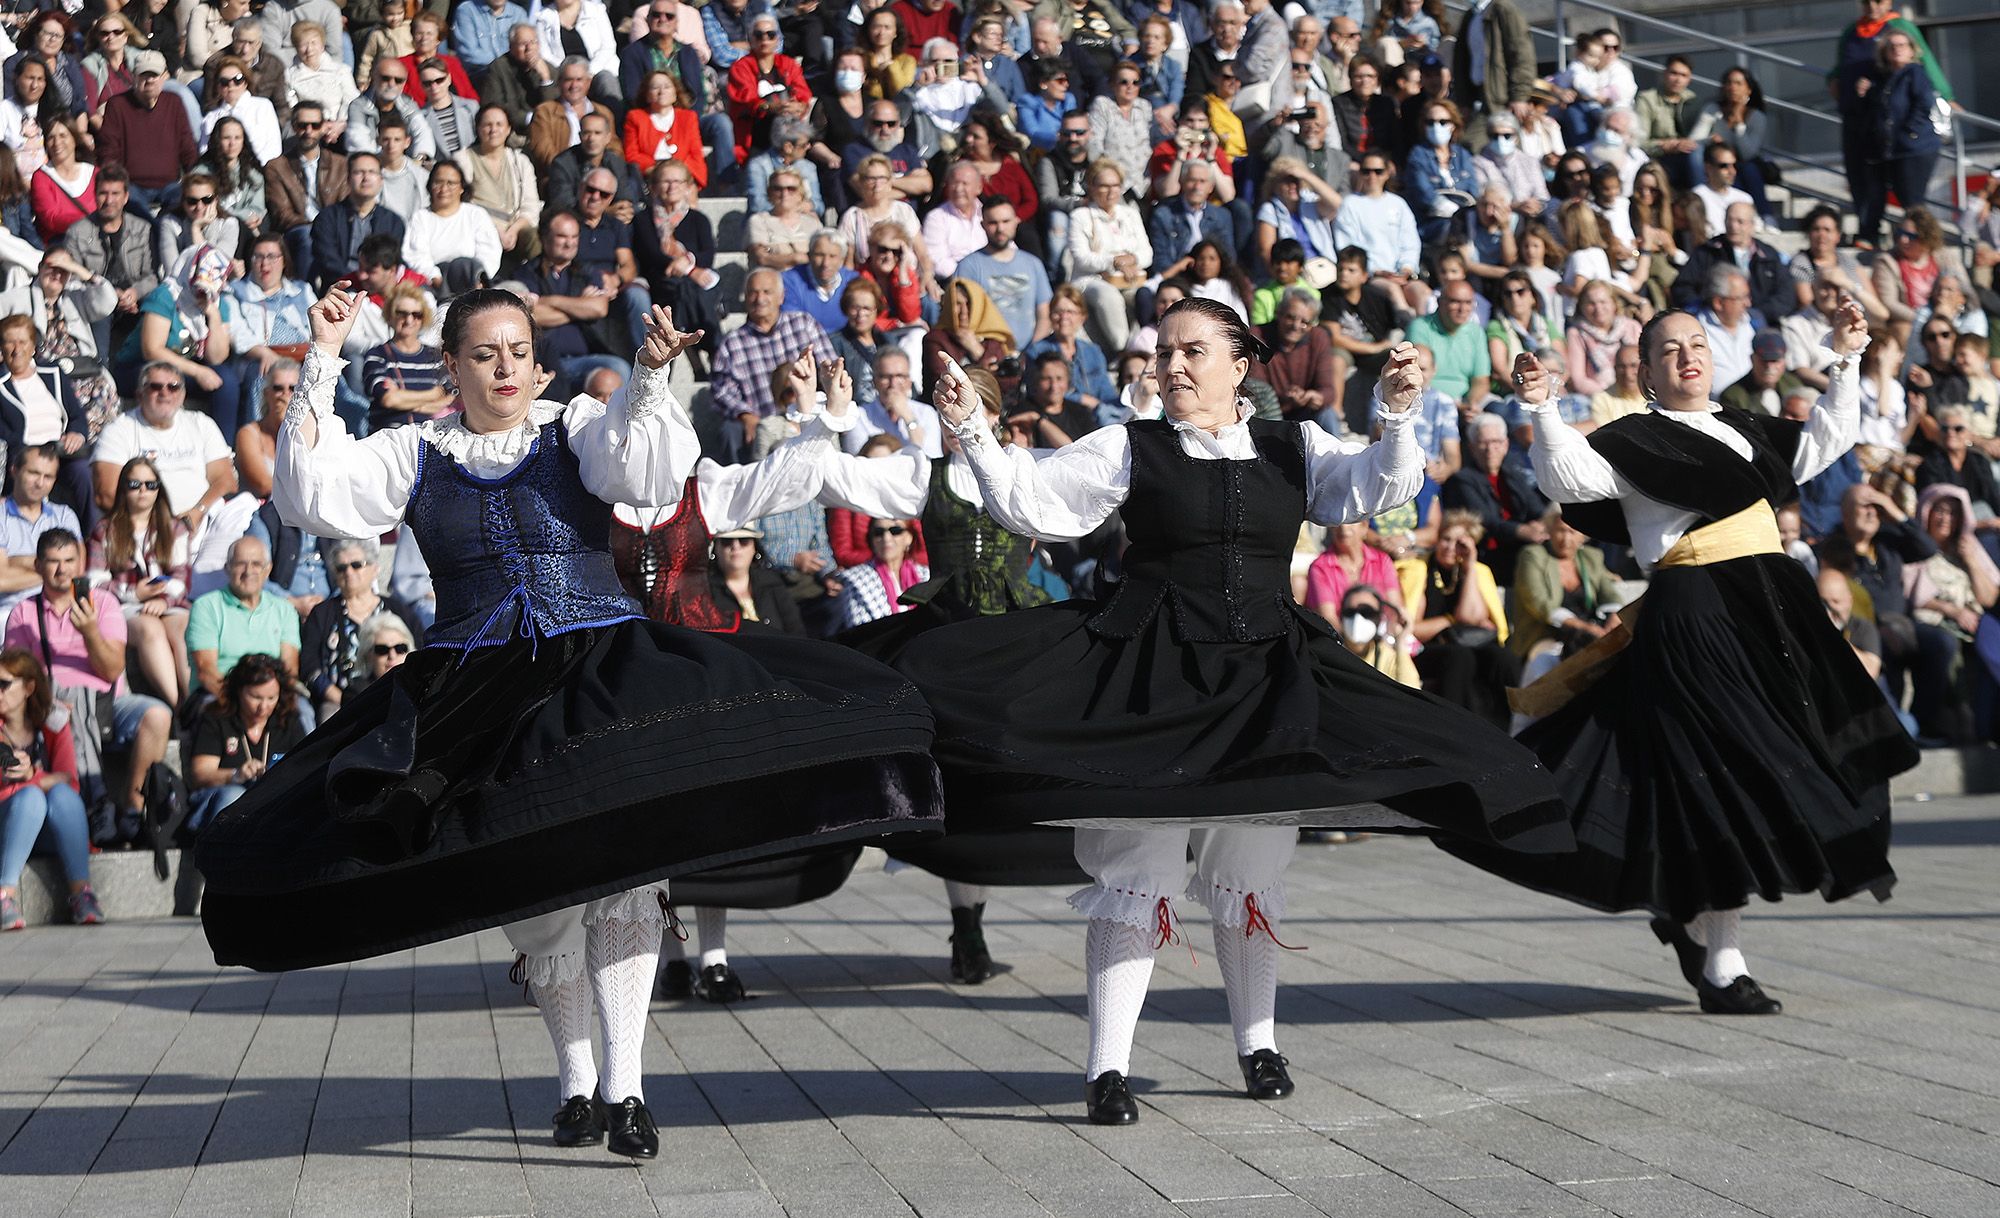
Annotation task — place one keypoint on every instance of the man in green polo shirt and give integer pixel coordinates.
(229, 623)
(1464, 371)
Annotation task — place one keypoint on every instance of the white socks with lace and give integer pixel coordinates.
(713, 927)
(621, 957)
(1249, 968)
(565, 1007)
(964, 896)
(1118, 965)
(1720, 931)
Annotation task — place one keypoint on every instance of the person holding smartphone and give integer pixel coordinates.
(252, 725)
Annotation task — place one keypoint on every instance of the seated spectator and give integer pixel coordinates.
(946, 89)
(987, 145)
(952, 229)
(1378, 633)
(405, 376)
(572, 28)
(1287, 260)
(1460, 622)
(153, 143)
(1824, 256)
(757, 591)
(573, 314)
(107, 70)
(893, 266)
(1382, 226)
(1960, 582)
(251, 725)
(38, 793)
(1360, 314)
(876, 203)
(791, 141)
(763, 86)
(1045, 416)
(1485, 236)
(385, 644)
(234, 168)
(1905, 279)
(1806, 331)
(988, 42)
(1212, 274)
(749, 354)
(341, 228)
(257, 443)
(782, 237)
(427, 41)
(239, 620)
(671, 38)
(1765, 387)
(1300, 207)
(1564, 598)
(1436, 425)
(665, 128)
(1012, 279)
(1624, 396)
(971, 331)
(185, 447)
(1596, 257)
(189, 312)
(859, 339)
(1594, 337)
(501, 180)
(1497, 488)
(1886, 421)
(481, 33)
(38, 407)
(1180, 223)
(673, 249)
(815, 288)
(25, 515)
(270, 308)
(1727, 321)
(1720, 165)
(331, 657)
(318, 77)
(1436, 169)
(394, 39)
(594, 150)
(308, 177)
(195, 220)
(66, 301)
(1039, 115)
(1349, 562)
(30, 107)
(454, 247)
(894, 412)
(1301, 368)
(1771, 291)
(235, 100)
(1464, 370)
(874, 589)
(1874, 545)
(1950, 303)
(1089, 374)
(1110, 253)
(1957, 462)
(912, 179)
(519, 80)
(1518, 324)
(453, 119)
(1505, 163)
(64, 190)
(386, 95)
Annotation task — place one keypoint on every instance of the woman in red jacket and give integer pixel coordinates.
(762, 86)
(665, 129)
(38, 793)
(64, 190)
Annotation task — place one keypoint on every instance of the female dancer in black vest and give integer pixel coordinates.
(1200, 693)
(1735, 746)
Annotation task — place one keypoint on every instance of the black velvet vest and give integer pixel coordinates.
(1684, 468)
(1211, 540)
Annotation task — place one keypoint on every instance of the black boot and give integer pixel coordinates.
(630, 1130)
(580, 1122)
(1693, 956)
(677, 980)
(1265, 1076)
(1108, 1100)
(970, 962)
(720, 984)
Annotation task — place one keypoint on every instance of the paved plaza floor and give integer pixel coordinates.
(1461, 1047)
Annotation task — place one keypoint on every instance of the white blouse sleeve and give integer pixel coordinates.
(1059, 497)
(1348, 481)
(1835, 424)
(641, 454)
(340, 486)
(789, 476)
(1567, 468)
(892, 487)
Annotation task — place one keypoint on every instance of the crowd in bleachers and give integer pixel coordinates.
(1024, 188)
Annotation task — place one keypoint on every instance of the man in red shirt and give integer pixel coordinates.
(152, 141)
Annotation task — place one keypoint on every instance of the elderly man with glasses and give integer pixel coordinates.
(884, 134)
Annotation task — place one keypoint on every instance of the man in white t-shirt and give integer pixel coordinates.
(197, 467)
(1716, 194)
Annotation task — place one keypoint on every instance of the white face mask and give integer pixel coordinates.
(1440, 133)
(1610, 138)
(1359, 630)
(1504, 145)
(848, 81)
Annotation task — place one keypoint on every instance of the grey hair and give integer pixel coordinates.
(1948, 412)
(890, 352)
(244, 25)
(1483, 419)
(1720, 279)
(789, 130)
(834, 235)
(1298, 296)
(377, 624)
(1496, 189)
(146, 369)
(518, 26)
(574, 61)
(283, 363)
(764, 18)
(370, 552)
(934, 45)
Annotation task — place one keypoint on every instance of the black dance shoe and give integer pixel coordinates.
(630, 1130)
(1108, 1100)
(1742, 996)
(1693, 956)
(677, 980)
(1264, 1075)
(970, 961)
(580, 1122)
(720, 985)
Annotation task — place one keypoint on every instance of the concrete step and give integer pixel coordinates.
(1943, 772)
(730, 214)
(123, 880)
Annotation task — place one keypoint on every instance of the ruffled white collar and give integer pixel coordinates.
(489, 452)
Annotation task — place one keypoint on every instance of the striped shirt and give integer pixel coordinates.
(385, 368)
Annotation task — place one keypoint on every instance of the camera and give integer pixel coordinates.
(1009, 366)
(8, 757)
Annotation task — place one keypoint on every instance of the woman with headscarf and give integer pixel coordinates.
(970, 330)
(185, 322)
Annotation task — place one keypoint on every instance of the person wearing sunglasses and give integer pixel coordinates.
(311, 175)
(386, 96)
(233, 99)
(106, 70)
(764, 86)
(331, 654)
(1385, 229)
(386, 643)
(140, 553)
(874, 589)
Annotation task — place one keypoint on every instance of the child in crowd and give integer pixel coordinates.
(1288, 264)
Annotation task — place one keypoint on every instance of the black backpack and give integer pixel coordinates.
(163, 821)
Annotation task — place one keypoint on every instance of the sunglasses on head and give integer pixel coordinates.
(142, 484)
(889, 530)
(392, 649)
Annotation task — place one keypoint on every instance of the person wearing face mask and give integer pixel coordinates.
(1504, 161)
(1439, 165)
(1378, 634)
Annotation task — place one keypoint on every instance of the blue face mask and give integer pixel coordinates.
(1504, 145)
(848, 81)
(1440, 133)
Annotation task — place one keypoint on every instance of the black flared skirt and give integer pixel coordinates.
(778, 883)
(1041, 719)
(1735, 748)
(470, 791)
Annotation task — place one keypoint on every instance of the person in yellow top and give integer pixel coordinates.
(1623, 396)
(1221, 117)
(1461, 622)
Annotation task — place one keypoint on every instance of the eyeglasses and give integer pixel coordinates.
(1934, 335)
(198, 200)
(229, 80)
(784, 190)
(281, 388)
(735, 541)
(401, 79)
(1520, 291)
(162, 386)
(416, 314)
(891, 530)
(1076, 133)
(660, 17)
(392, 649)
(1366, 172)
(116, 31)
(1906, 234)
(306, 128)
(600, 191)
(760, 35)
(894, 251)
(1955, 428)
(431, 82)
(1612, 46)
(885, 122)
(142, 484)
(1724, 164)
(268, 256)
(358, 564)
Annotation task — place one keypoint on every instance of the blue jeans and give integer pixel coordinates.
(205, 803)
(634, 303)
(54, 818)
(720, 135)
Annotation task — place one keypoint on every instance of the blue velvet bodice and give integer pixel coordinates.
(527, 553)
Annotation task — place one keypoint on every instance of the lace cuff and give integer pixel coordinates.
(317, 380)
(649, 393)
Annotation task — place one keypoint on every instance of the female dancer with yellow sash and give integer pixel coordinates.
(1734, 746)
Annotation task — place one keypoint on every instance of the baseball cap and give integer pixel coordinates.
(148, 63)
(1769, 344)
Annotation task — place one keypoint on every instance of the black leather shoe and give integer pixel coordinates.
(1693, 956)
(1742, 996)
(1108, 1100)
(1264, 1075)
(629, 1129)
(720, 984)
(970, 961)
(677, 980)
(580, 1122)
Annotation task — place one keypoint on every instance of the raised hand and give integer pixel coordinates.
(839, 385)
(333, 318)
(663, 342)
(952, 393)
(1531, 380)
(1402, 378)
(1850, 328)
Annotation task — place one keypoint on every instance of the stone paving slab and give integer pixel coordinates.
(1462, 1048)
